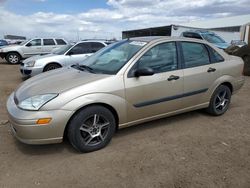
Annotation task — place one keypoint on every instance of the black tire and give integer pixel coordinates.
(51, 66)
(13, 58)
(246, 70)
(219, 101)
(83, 125)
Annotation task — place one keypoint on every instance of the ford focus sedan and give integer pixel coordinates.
(127, 83)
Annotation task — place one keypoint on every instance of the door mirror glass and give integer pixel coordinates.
(70, 53)
(145, 71)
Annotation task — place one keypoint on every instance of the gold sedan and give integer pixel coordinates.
(129, 82)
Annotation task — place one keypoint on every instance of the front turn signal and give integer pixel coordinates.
(43, 121)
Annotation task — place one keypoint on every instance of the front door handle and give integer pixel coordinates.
(211, 69)
(173, 77)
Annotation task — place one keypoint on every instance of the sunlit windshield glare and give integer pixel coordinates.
(112, 58)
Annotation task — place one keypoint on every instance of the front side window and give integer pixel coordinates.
(48, 42)
(195, 54)
(111, 59)
(160, 58)
(35, 42)
(81, 48)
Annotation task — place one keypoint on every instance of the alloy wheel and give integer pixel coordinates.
(13, 59)
(94, 130)
(222, 100)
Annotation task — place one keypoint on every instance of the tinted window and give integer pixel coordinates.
(35, 42)
(60, 42)
(95, 46)
(160, 58)
(81, 48)
(48, 42)
(215, 56)
(195, 54)
(192, 35)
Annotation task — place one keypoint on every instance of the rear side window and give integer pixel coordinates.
(60, 42)
(161, 58)
(215, 56)
(95, 46)
(192, 35)
(48, 42)
(195, 54)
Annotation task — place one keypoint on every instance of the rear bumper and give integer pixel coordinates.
(25, 129)
(238, 84)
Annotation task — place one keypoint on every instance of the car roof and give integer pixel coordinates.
(163, 38)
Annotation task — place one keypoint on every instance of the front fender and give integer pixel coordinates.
(116, 102)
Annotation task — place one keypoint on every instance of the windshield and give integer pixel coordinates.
(62, 50)
(112, 58)
(212, 38)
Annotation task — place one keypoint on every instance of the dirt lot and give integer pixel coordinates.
(188, 150)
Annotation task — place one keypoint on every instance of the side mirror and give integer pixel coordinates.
(146, 71)
(28, 45)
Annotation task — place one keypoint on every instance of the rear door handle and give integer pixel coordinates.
(173, 77)
(211, 69)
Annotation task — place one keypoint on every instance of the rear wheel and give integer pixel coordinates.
(13, 58)
(91, 129)
(51, 66)
(220, 101)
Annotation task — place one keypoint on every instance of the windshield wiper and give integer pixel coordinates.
(83, 67)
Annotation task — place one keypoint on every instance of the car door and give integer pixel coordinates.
(159, 93)
(199, 73)
(48, 45)
(33, 47)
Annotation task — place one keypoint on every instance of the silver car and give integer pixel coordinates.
(15, 53)
(65, 56)
(126, 83)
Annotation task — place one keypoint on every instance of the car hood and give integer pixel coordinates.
(222, 45)
(55, 81)
(10, 47)
(37, 57)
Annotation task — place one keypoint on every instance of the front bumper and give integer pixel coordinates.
(25, 129)
(30, 71)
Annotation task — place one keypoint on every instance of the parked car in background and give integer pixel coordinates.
(3, 43)
(126, 83)
(238, 43)
(15, 53)
(208, 36)
(64, 56)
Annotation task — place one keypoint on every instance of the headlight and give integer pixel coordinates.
(30, 64)
(36, 102)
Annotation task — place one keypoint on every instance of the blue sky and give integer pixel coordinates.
(25, 7)
(106, 19)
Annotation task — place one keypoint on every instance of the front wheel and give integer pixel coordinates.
(219, 101)
(13, 58)
(91, 129)
(51, 66)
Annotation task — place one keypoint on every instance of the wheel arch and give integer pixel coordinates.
(14, 52)
(50, 63)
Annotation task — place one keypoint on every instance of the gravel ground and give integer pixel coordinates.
(188, 150)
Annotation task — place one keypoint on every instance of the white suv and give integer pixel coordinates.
(64, 56)
(13, 54)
